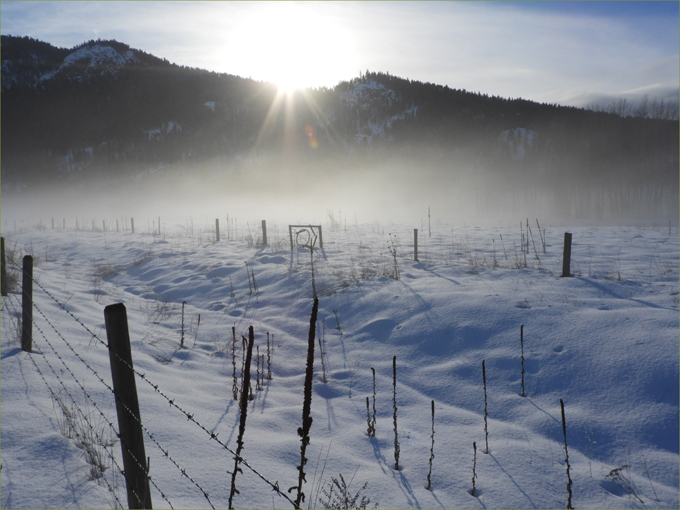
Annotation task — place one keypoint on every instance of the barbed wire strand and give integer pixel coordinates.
(89, 396)
(165, 452)
(56, 399)
(189, 416)
(85, 392)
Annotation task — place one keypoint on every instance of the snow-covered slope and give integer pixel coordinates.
(604, 341)
(376, 109)
(94, 59)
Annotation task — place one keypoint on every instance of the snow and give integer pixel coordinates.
(98, 56)
(165, 128)
(605, 341)
(517, 139)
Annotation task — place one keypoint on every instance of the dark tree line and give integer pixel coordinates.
(150, 113)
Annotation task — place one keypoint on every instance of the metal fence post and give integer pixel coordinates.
(415, 244)
(27, 305)
(566, 259)
(3, 275)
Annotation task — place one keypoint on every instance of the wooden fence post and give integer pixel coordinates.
(27, 305)
(320, 238)
(132, 225)
(264, 231)
(3, 274)
(217, 229)
(290, 233)
(566, 259)
(127, 407)
(415, 244)
(159, 225)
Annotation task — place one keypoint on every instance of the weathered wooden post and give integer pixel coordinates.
(132, 225)
(264, 231)
(127, 407)
(3, 274)
(290, 233)
(159, 225)
(217, 229)
(415, 244)
(27, 305)
(566, 259)
(320, 238)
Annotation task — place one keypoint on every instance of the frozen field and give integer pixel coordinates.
(605, 341)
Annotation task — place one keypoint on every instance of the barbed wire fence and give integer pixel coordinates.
(91, 433)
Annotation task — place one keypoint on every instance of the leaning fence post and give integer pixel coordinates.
(127, 407)
(415, 244)
(3, 274)
(566, 259)
(264, 231)
(27, 305)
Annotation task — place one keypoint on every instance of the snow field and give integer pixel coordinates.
(605, 341)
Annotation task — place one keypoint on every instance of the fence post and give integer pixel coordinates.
(3, 274)
(127, 407)
(415, 244)
(217, 229)
(52, 223)
(290, 233)
(159, 225)
(264, 231)
(132, 225)
(566, 259)
(320, 238)
(27, 305)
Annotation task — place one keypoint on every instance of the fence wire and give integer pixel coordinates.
(190, 416)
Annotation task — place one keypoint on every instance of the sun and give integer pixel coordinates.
(294, 46)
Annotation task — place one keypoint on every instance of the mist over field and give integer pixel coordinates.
(104, 131)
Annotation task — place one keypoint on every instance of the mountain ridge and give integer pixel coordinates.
(103, 110)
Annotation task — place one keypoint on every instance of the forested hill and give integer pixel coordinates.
(105, 110)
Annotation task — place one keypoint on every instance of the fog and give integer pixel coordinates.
(385, 191)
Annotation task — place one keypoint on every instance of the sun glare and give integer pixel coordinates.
(294, 47)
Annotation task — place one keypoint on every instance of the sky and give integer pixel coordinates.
(571, 53)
